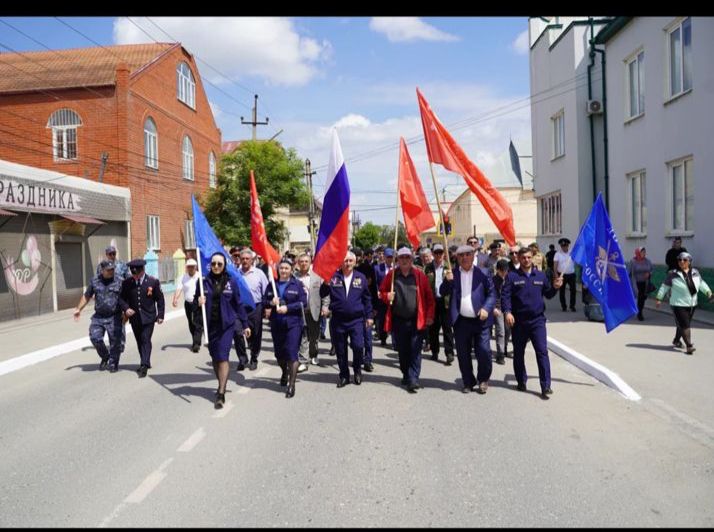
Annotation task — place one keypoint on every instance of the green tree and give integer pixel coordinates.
(386, 236)
(367, 236)
(278, 178)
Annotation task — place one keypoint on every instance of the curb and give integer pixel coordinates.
(29, 359)
(592, 368)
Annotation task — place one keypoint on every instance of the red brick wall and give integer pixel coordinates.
(113, 121)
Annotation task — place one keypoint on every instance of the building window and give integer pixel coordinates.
(679, 50)
(551, 214)
(151, 144)
(211, 170)
(153, 233)
(636, 85)
(187, 158)
(637, 204)
(186, 86)
(558, 134)
(680, 216)
(189, 235)
(64, 124)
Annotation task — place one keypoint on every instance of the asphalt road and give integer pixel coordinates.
(84, 448)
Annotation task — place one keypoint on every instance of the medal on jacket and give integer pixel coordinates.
(150, 291)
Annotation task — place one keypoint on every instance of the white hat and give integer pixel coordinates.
(404, 251)
(465, 248)
(191, 262)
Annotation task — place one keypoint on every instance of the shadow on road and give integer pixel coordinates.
(669, 348)
(167, 346)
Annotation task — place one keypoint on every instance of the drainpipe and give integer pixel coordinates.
(590, 117)
(604, 119)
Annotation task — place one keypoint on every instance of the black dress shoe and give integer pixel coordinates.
(142, 371)
(548, 391)
(240, 366)
(195, 348)
(500, 360)
(290, 392)
(544, 396)
(369, 368)
(412, 388)
(343, 382)
(253, 365)
(103, 364)
(466, 389)
(113, 368)
(449, 360)
(521, 387)
(358, 379)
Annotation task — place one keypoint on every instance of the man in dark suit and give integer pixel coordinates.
(473, 298)
(142, 301)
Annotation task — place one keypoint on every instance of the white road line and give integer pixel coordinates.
(148, 485)
(693, 427)
(28, 359)
(193, 440)
(140, 493)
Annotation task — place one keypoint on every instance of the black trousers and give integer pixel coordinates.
(641, 295)
(568, 281)
(683, 319)
(195, 321)
(142, 334)
(441, 323)
(255, 322)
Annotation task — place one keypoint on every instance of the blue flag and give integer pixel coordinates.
(208, 243)
(604, 272)
(515, 162)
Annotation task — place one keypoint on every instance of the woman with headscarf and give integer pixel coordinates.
(285, 312)
(640, 271)
(223, 308)
(684, 282)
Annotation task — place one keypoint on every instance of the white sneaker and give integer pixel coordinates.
(302, 367)
(314, 361)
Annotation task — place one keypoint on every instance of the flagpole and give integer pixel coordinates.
(200, 287)
(396, 234)
(441, 216)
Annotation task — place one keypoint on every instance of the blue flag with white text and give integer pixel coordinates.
(208, 244)
(604, 271)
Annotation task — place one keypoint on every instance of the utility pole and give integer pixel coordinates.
(311, 211)
(255, 122)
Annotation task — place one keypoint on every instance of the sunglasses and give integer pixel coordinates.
(112, 253)
(216, 263)
(235, 255)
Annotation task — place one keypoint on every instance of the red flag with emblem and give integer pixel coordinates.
(258, 237)
(443, 149)
(417, 214)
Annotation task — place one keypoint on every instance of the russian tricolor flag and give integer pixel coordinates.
(332, 239)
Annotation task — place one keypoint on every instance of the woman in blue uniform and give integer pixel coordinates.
(285, 312)
(223, 308)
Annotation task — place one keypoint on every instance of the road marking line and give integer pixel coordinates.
(693, 427)
(28, 359)
(148, 485)
(193, 440)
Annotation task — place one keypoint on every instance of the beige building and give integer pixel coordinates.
(297, 223)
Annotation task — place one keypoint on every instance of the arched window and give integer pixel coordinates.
(151, 144)
(186, 86)
(187, 158)
(64, 124)
(211, 170)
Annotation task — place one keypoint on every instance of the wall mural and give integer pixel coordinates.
(22, 275)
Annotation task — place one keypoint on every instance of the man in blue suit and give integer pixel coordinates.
(351, 308)
(473, 298)
(142, 301)
(523, 309)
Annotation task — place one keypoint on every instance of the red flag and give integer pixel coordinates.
(417, 214)
(258, 238)
(443, 150)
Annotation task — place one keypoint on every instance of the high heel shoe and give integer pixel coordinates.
(220, 400)
(290, 392)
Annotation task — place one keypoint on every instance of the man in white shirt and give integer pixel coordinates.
(188, 288)
(565, 268)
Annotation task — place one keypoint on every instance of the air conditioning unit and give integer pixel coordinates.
(594, 107)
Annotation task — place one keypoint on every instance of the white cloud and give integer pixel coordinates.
(408, 29)
(521, 45)
(269, 48)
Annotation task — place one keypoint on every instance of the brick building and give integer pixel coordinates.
(141, 106)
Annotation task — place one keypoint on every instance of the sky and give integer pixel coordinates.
(356, 74)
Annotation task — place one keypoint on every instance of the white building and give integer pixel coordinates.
(652, 166)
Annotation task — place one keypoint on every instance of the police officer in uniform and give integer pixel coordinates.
(285, 311)
(473, 299)
(523, 308)
(142, 301)
(121, 270)
(351, 306)
(105, 288)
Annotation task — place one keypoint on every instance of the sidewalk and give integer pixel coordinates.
(641, 353)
